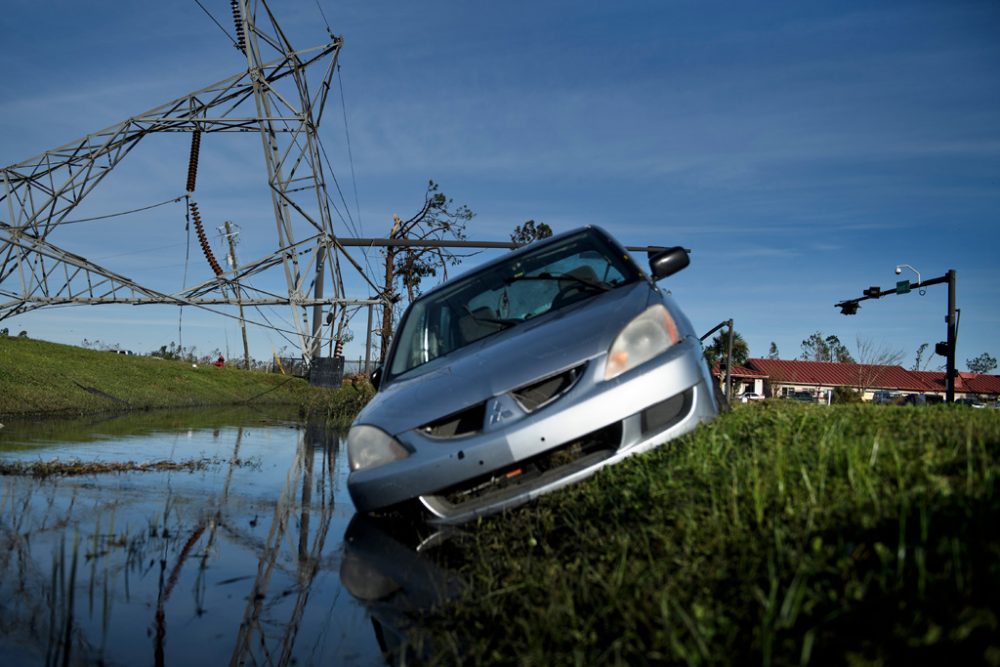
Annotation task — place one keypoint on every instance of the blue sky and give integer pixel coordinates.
(801, 150)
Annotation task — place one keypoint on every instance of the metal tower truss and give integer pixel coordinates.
(273, 99)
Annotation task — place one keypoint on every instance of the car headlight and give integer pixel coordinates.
(369, 447)
(643, 338)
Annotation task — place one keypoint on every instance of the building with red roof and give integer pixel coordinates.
(783, 377)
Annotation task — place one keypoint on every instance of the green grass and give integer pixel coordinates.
(779, 534)
(41, 378)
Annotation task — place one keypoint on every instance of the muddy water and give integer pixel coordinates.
(235, 563)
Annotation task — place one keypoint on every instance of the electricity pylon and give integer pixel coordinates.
(280, 97)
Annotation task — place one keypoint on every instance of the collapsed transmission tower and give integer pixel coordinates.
(275, 98)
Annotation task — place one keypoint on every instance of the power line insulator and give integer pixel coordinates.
(241, 38)
(203, 240)
(193, 160)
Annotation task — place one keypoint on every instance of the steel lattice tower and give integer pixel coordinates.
(281, 97)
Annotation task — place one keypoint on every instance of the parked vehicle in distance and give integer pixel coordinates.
(749, 396)
(801, 396)
(527, 374)
(885, 397)
(970, 402)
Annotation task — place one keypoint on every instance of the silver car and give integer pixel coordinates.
(529, 373)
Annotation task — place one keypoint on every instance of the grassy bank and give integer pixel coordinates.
(41, 378)
(780, 534)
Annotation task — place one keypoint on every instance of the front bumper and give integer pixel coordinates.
(635, 401)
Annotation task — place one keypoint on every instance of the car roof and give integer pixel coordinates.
(593, 230)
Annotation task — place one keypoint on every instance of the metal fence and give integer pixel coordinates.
(299, 368)
(353, 366)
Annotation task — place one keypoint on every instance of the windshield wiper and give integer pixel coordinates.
(561, 277)
(479, 319)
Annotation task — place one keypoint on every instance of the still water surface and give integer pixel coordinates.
(236, 563)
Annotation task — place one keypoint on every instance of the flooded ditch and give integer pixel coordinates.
(250, 557)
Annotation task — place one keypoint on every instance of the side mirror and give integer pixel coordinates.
(376, 377)
(668, 262)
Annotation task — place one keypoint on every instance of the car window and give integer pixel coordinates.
(504, 295)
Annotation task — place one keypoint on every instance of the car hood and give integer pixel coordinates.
(507, 360)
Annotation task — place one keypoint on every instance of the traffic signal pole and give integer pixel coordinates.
(947, 349)
(952, 338)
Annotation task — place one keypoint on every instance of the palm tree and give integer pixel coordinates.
(716, 350)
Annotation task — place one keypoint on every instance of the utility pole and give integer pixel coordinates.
(390, 258)
(239, 294)
(368, 342)
(729, 364)
(728, 383)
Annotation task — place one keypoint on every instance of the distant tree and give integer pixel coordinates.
(845, 395)
(828, 348)
(872, 358)
(439, 218)
(98, 344)
(4, 332)
(716, 350)
(772, 352)
(175, 351)
(919, 363)
(984, 363)
(530, 231)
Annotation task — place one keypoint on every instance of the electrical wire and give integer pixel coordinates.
(350, 158)
(209, 309)
(348, 221)
(224, 31)
(323, 14)
(350, 225)
(140, 251)
(350, 154)
(277, 330)
(187, 258)
(115, 215)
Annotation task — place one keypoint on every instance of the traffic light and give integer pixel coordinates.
(849, 307)
(873, 292)
(942, 349)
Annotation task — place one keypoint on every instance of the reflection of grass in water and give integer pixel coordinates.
(112, 555)
(61, 602)
(75, 468)
(25, 434)
(122, 558)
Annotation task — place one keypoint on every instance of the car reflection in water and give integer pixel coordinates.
(386, 568)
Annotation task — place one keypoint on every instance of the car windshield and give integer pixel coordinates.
(507, 294)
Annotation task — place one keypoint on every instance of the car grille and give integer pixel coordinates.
(593, 446)
(466, 422)
(538, 394)
(530, 397)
